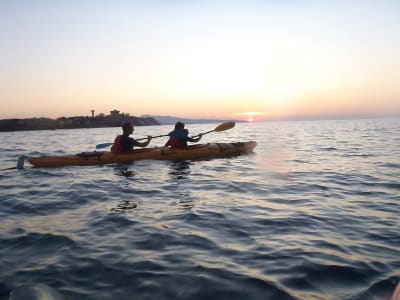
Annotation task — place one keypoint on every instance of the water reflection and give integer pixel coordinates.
(123, 170)
(124, 205)
(180, 170)
(186, 203)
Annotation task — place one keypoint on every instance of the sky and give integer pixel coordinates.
(215, 59)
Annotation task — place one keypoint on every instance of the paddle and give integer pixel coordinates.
(221, 127)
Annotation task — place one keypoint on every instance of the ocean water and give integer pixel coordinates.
(312, 214)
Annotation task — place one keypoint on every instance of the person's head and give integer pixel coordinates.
(179, 125)
(127, 128)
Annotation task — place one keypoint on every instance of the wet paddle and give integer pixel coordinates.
(221, 127)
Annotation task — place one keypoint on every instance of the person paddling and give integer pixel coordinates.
(179, 137)
(124, 144)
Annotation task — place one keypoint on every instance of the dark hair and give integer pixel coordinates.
(179, 125)
(126, 126)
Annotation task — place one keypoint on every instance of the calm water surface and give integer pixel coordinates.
(313, 214)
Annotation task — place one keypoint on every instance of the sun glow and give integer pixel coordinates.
(250, 115)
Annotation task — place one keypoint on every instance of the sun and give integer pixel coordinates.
(250, 116)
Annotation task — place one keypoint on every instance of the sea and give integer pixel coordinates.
(313, 213)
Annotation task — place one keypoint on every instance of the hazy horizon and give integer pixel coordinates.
(245, 119)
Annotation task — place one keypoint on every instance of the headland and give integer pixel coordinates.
(114, 119)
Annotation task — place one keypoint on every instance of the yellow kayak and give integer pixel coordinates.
(200, 151)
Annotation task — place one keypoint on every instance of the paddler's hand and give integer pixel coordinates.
(144, 144)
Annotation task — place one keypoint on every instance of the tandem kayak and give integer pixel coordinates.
(200, 151)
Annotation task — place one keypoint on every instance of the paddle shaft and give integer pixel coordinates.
(153, 137)
(221, 127)
(203, 133)
(105, 145)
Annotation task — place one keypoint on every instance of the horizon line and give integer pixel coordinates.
(259, 119)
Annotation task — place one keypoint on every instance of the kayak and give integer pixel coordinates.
(200, 151)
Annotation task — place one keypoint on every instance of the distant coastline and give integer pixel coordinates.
(114, 119)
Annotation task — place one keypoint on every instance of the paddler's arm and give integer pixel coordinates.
(195, 139)
(168, 143)
(144, 144)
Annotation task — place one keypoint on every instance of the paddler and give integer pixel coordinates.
(179, 137)
(124, 144)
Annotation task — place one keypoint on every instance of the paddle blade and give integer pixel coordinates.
(104, 145)
(225, 126)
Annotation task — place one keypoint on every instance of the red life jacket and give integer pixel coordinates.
(177, 143)
(117, 146)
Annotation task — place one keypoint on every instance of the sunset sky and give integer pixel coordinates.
(217, 59)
